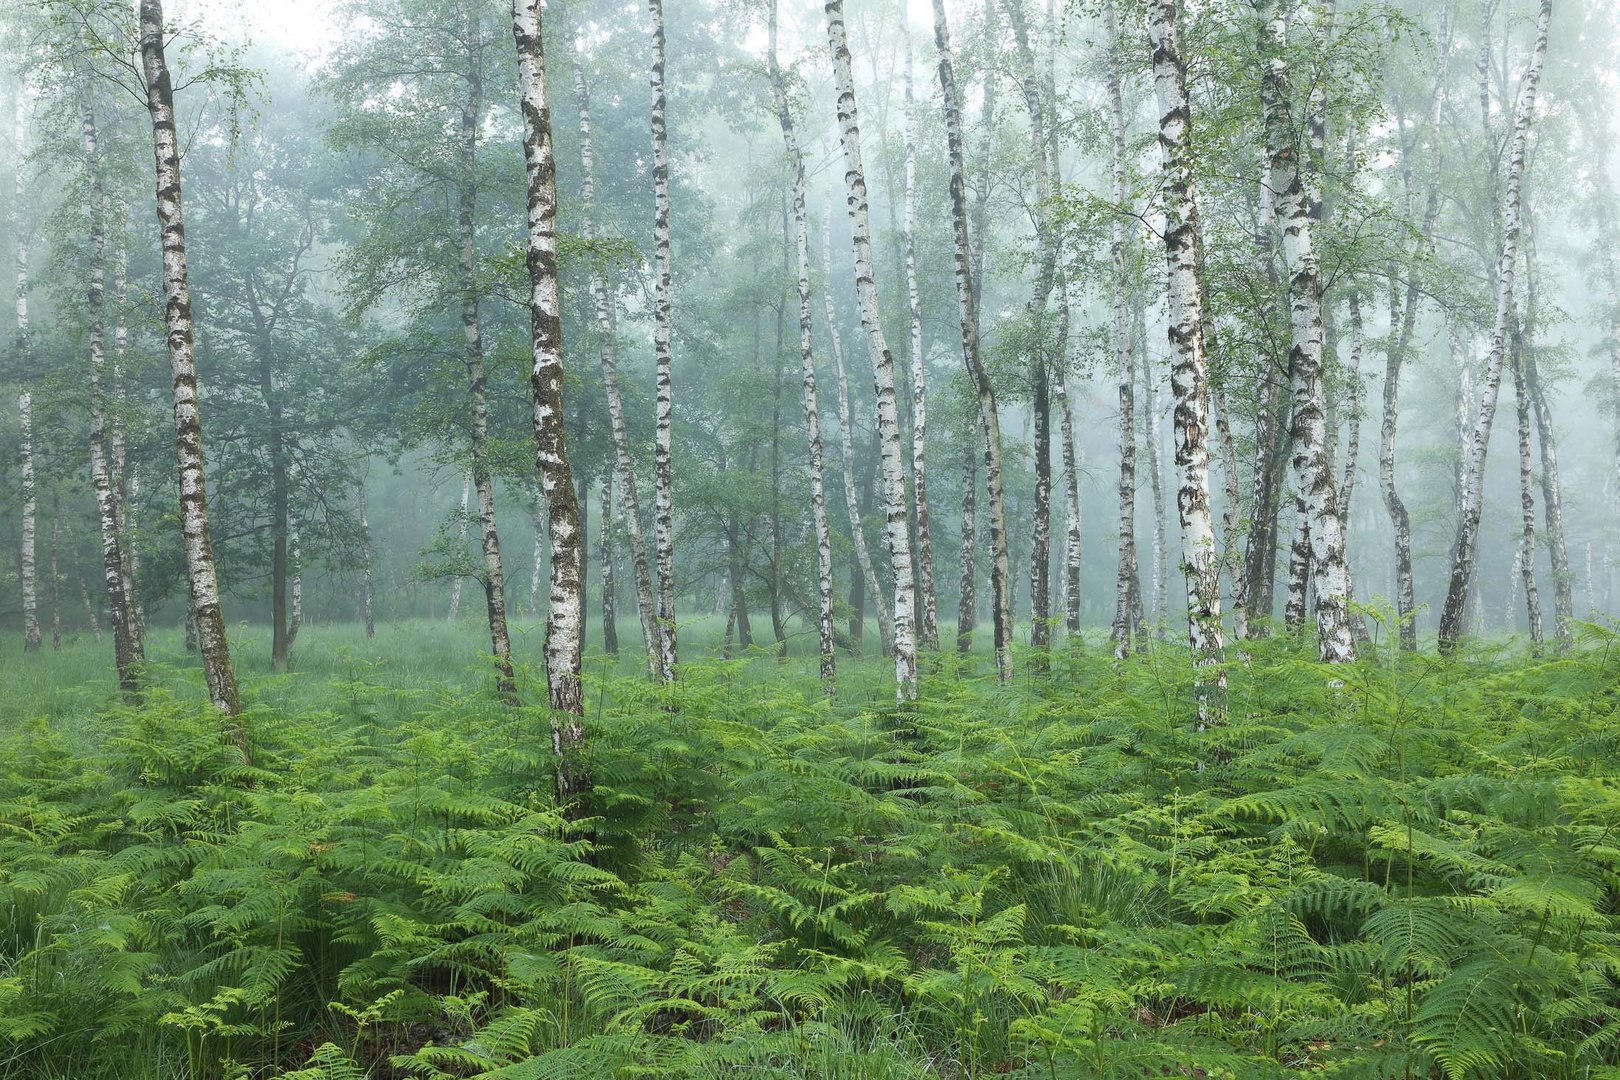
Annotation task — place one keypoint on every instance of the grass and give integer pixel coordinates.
(1407, 868)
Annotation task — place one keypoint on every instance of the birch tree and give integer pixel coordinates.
(27, 572)
(663, 328)
(565, 618)
(1464, 555)
(927, 601)
(1314, 484)
(1127, 581)
(812, 407)
(128, 646)
(607, 342)
(1188, 376)
(888, 418)
(967, 301)
(199, 553)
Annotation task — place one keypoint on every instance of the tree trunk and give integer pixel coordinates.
(888, 419)
(778, 627)
(927, 600)
(461, 523)
(1352, 449)
(25, 400)
(967, 601)
(1153, 436)
(205, 600)
(1126, 583)
(629, 487)
(1312, 475)
(564, 645)
(494, 577)
(295, 556)
(847, 444)
(1526, 560)
(128, 649)
(367, 557)
(280, 641)
(56, 576)
(1071, 474)
(1552, 495)
(663, 473)
(29, 571)
(537, 513)
(610, 614)
(1188, 378)
(1231, 516)
(967, 299)
(812, 407)
(1040, 557)
(1465, 550)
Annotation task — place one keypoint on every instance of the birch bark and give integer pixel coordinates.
(812, 406)
(1552, 494)
(1127, 581)
(888, 418)
(1525, 562)
(610, 614)
(127, 646)
(629, 486)
(367, 557)
(199, 552)
(663, 413)
(1188, 376)
(565, 619)
(863, 557)
(967, 299)
(1313, 478)
(967, 600)
(494, 576)
(25, 399)
(927, 601)
(1464, 556)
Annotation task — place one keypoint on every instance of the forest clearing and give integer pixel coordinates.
(938, 539)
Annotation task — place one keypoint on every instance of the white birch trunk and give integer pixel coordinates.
(1552, 494)
(663, 328)
(1153, 436)
(1127, 582)
(1188, 378)
(1525, 560)
(629, 485)
(564, 646)
(1312, 475)
(25, 399)
(928, 601)
(127, 655)
(610, 588)
(1464, 555)
(812, 406)
(537, 513)
(888, 417)
(295, 553)
(967, 300)
(205, 599)
(367, 556)
(463, 522)
(1071, 474)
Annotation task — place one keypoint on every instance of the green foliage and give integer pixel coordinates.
(1411, 872)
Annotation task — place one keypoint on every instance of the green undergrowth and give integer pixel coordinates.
(1408, 868)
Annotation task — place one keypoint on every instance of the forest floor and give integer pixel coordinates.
(1406, 868)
